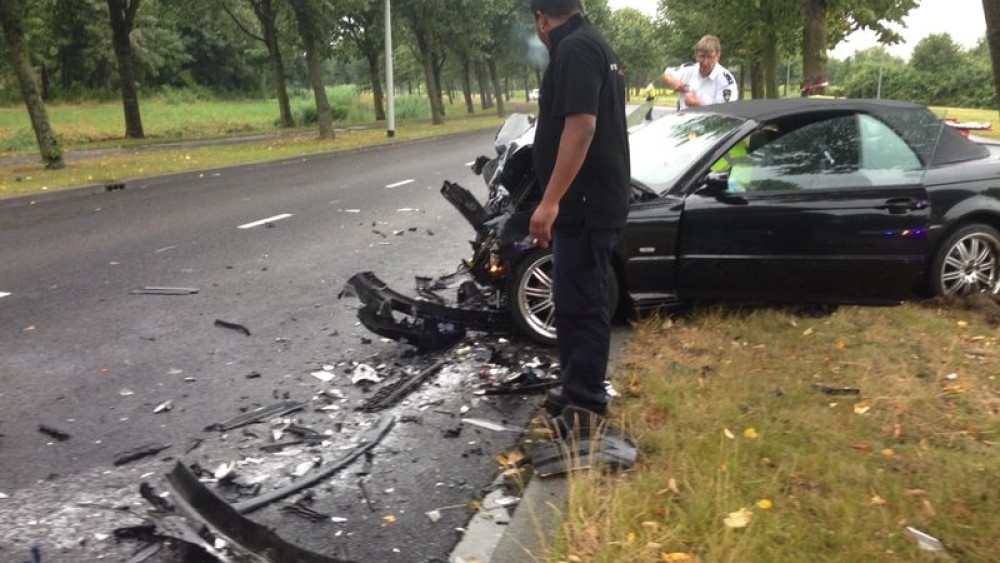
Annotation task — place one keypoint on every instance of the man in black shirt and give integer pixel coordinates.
(581, 155)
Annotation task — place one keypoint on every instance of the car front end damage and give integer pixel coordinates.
(429, 320)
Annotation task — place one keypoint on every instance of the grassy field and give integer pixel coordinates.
(99, 126)
(745, 459)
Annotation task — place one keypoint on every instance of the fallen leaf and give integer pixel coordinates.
(962, 323)
(630, 537)
(650, 526)
(764, 504)
(839, 344)
(876, 501)
(739, 519)
(861, 446)
(888, 452)
(862, 407)
(388, 519)
(750, 434)
(807, 331)
(678, 557)
(672, 485)
(729, 434)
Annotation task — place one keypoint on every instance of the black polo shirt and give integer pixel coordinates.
(584, 76)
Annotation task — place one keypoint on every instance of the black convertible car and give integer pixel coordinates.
(782, 201)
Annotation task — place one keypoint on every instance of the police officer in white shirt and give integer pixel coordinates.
(706, 82)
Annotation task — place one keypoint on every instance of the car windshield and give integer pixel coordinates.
(665, 148)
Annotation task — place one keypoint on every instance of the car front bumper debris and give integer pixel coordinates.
(426, 323)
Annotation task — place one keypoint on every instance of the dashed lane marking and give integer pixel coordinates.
(4, 294)
(265, 221)
(398, 184)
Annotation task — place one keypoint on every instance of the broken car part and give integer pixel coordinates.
(53, 432)
(263, 413)
(393, 393)
(607, 449)
(233, 326)
(139, 453)
(164, 291)
(369, 440)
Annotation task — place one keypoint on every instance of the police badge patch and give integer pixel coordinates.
(726, 94)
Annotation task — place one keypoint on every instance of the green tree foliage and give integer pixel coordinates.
(633, 37)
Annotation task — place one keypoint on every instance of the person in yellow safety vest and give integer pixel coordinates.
(737, 162)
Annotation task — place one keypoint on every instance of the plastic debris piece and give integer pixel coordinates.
(53, 432)
(490, 425)
(263, 413)
(323, 375)
(165, 291)
(828, 390)
(338, 519)
(126, 392)
(139, 453)
(434, 515)
(224, 470)
(364, 372)
(233, 326)
(303, 468)
(507, 501)
(925, 542)
(163, 407)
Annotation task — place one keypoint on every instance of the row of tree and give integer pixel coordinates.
(58, 50)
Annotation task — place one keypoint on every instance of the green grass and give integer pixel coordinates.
(724, 410)
(101, 126)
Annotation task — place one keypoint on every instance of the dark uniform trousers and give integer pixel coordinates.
(581, 266)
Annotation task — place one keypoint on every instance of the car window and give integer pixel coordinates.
(822, 154)
(886, 159)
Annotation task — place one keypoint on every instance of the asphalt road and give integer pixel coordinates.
(267, 246)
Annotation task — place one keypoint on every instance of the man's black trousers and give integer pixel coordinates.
(581, 266)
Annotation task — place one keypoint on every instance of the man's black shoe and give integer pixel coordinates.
(555, 402)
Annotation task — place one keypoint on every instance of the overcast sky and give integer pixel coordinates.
(962, 19)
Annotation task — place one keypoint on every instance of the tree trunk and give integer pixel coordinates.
(122, 22)
(467, 86)
(491, 64)
(13, 33)
(433, 89)
(485, 101)
(769, 54)
(813, 47)
(992, 10)
(377, 94)
(314, 64)
(756, 80)
(267, 16)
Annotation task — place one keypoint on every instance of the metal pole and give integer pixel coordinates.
(878, 93)
(390, 85)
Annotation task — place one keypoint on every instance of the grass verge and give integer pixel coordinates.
(732, 431)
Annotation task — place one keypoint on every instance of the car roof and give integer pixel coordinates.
(951, 146)
(763, 110)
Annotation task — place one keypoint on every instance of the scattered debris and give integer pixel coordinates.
(163, 407)
(925, 541)
(390, 395)
(490, 425)
(233, 326)
(139, 453)
(323, 375)
(152, 290)
(53, 432)
(434, 515)
(277, 409)
(369, 440)
(365, 373)
(305, 512)
(828, 390)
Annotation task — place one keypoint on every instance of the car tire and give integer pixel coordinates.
(530, 303)
(968, 261)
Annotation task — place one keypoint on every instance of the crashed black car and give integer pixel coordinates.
(800, 201)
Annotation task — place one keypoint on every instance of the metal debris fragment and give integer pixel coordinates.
(139, 453)
(233, 326)
(365, 373)
(151, 290)
(163, 407)
(490, 425)
(53, 432)
(263, 413)
(925, 542)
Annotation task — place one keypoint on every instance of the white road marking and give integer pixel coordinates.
(3, 294)
(398, 184)
(265, 221)
(164, 249)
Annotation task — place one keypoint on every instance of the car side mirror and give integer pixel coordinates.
(715, 184)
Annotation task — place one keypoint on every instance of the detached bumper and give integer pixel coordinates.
(428, 325)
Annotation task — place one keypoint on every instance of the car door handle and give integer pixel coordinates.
(901, 205)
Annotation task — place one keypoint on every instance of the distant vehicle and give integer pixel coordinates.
(802, 201)
(533, 95)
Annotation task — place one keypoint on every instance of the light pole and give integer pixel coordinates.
(390, 99)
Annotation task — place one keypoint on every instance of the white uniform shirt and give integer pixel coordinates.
(716, 88)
